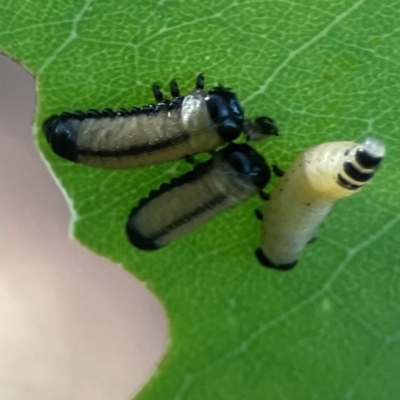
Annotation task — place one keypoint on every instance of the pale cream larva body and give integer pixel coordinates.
(306, 194)
(156, 133)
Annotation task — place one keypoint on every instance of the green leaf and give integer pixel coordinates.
(325, 71)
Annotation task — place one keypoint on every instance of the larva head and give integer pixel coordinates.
(370, 153)
(226, 112)
(248, 163)
(360, 163)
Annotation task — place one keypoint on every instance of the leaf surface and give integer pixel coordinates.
(329, 329)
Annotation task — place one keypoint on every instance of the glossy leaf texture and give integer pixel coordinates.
(330, 329)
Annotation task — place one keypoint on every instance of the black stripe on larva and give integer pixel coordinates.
(346, 184)
(135, 150)
(266, 262)
(135, 237)
(216, 200)
(366, 160)
(355, 174)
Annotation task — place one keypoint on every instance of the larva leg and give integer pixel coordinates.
(157, 93)
(263, 195)
(261, 128)
(278, 171)
(174, 89)
(267, 126)
(258, 214)
(200, 82)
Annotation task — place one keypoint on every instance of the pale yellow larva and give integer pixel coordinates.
(307, 192)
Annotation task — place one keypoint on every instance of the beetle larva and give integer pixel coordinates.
(231, 176)
(153, 134)
(306, 194)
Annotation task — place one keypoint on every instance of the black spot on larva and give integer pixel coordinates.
(148, 109)
(93, 114)
(80, 115)
(108, 113)
(266, 262)
(279, 172)
(122, 112)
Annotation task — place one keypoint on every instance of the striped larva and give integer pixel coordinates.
(306, 194)
(232, 175)
(153, 134)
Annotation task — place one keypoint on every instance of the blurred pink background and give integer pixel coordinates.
(74, 326)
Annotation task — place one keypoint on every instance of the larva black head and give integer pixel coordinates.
(247, 161)
(226, 111)
(370, 153)
(61, 136)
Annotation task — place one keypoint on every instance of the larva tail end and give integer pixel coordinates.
(137, 239)
(62, 137)
(269, 264)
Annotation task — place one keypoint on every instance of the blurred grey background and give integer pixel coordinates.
(74, 326)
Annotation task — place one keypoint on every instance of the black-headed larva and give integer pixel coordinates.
(231, 176)
(153, 134)
(306, 194)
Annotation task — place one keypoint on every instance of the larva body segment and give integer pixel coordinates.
(231, 176)
(152, 134)
(306, 194)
